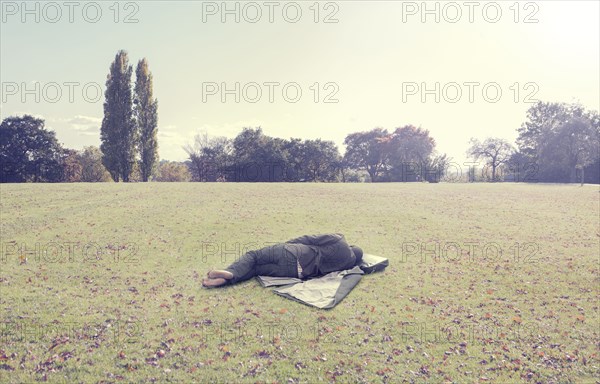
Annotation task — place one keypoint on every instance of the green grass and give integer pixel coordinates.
(530, 316)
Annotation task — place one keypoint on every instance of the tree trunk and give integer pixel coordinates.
(372, 173)
(573, 175)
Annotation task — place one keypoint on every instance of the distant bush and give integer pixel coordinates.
(172, 171)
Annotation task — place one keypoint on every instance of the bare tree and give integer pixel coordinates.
(209, 157)
(494, 150)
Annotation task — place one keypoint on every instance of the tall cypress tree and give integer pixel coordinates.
(146, 115)
(118, 133)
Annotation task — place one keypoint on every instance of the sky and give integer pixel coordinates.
(303, 69)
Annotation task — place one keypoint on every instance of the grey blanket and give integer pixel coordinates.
(322, 292)
(326, 291)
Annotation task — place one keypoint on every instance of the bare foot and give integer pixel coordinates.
(214, 274)
(211, 283)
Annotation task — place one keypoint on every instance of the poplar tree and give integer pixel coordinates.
(146, 116)
(118, 131)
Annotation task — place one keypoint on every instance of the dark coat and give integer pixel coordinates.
(321, 254)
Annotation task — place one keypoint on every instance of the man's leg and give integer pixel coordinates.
(282, 263)
(268, 261)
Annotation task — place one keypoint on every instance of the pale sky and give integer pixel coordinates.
(376, 61)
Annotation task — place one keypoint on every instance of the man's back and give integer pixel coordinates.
(321, 254)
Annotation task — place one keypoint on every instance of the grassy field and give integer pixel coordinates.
(486, 283)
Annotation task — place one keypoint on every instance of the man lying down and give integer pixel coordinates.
(303, 257)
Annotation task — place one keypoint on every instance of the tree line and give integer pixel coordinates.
(558, 142)
(376, 155)
(561, 147)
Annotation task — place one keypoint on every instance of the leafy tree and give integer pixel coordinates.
(365, 150)
(258, 157)
(254, 156)
(209, 158)
(118, 133)
(295, 166)
(311, 160)
(351, 175)
(433, 169)
(522, 168)
(344, 170)
(591, 173)
(72, 167)
(495, 151)
(171, 171)
(408, 149)
(29, 152)
(541, 118)
(146, 116)
(407, 154)
(561, 139)
(92, 168)
(321, 159)
(580, 142)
